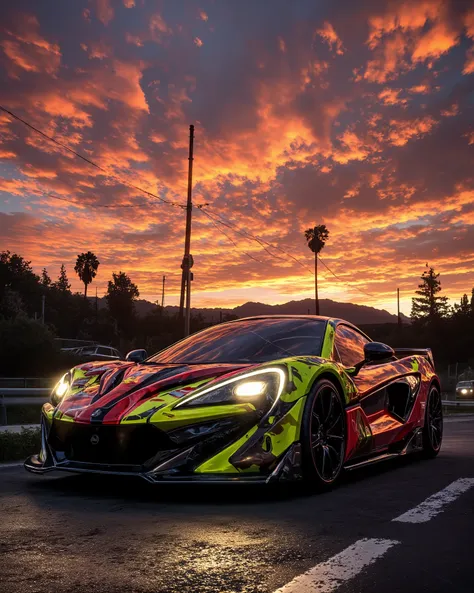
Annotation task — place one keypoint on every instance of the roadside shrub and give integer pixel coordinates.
(15, 446)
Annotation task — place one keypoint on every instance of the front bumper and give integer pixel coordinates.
(250, 463)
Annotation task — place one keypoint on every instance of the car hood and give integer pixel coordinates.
(109, 393)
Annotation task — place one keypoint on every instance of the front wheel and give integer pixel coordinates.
(323, 436)
(433, 429)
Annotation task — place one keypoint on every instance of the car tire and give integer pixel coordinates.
(323, 436)
(433, 428)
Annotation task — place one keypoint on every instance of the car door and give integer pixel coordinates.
(375, 383)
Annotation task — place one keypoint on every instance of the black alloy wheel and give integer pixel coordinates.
(433, 429)
(324, 435)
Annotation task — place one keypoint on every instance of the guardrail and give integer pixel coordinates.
(458, 403)
(18, 396)
(25, 382)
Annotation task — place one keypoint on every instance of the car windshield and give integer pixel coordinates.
(250, 340)
(465, 383)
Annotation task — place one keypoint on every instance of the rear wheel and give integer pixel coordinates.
(433, 429)
(323, 436)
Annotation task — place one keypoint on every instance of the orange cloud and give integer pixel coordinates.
(400, 132)
(104, 10)
(407, 34)
(28, 50)
(390, 96)
(329, 36)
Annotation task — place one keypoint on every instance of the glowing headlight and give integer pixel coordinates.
(463, 390)
(60, 389)
(250, 388)
(262, 388)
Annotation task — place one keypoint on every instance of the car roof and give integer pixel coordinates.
(277, 316)
(335, 320)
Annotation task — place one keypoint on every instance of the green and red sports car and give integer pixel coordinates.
(262, 399)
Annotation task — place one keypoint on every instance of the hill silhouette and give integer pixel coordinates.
(357, 314)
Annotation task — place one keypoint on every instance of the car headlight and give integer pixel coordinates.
(262, 388)
(60, 389)
(463, 390)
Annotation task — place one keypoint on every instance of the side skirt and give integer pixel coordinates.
(413, 444)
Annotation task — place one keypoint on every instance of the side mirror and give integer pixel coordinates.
(136, 355)
(378, 352)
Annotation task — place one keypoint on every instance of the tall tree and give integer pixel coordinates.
(86, 268)
(316, 238)
(472, 301)
(121, 294)
(62, 283)
(464, 307)
(429, 306)
(19, 285)
(45, 279)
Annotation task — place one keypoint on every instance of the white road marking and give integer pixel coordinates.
(329, 575)
(433, 505)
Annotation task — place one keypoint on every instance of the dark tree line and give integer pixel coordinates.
(28, 346)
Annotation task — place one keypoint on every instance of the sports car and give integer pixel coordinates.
(262, 399)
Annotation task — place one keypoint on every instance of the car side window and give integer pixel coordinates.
(89, 350)
(104, 351)
(349, 346)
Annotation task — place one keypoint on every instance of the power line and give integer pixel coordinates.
(262, 242)
(344, 281)
(227, 236)
(259, 240)
(85, 159)
(111, 206)
(245, 234)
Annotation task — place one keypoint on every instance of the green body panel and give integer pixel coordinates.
(220, 463)
(286, 431)
(169, 418)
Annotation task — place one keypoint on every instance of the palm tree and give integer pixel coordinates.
(86, 268)
(316, 239)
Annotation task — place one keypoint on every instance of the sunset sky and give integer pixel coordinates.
(355, 114)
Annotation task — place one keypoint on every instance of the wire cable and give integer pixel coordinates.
(245, 234)
(229, 238)
(262, 242)
(85, 159)
(76, 203)
(258, 239)
(344, 281)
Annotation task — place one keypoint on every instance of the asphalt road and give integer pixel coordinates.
(74, 533)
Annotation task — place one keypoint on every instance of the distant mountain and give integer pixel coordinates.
(357, 314)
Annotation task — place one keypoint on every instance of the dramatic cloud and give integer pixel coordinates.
(356, 115)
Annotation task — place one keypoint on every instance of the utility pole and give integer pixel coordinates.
(316, 282)
(163, 294)
(43, 299)
(399, 319)
(187, 258)
(96, 307)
